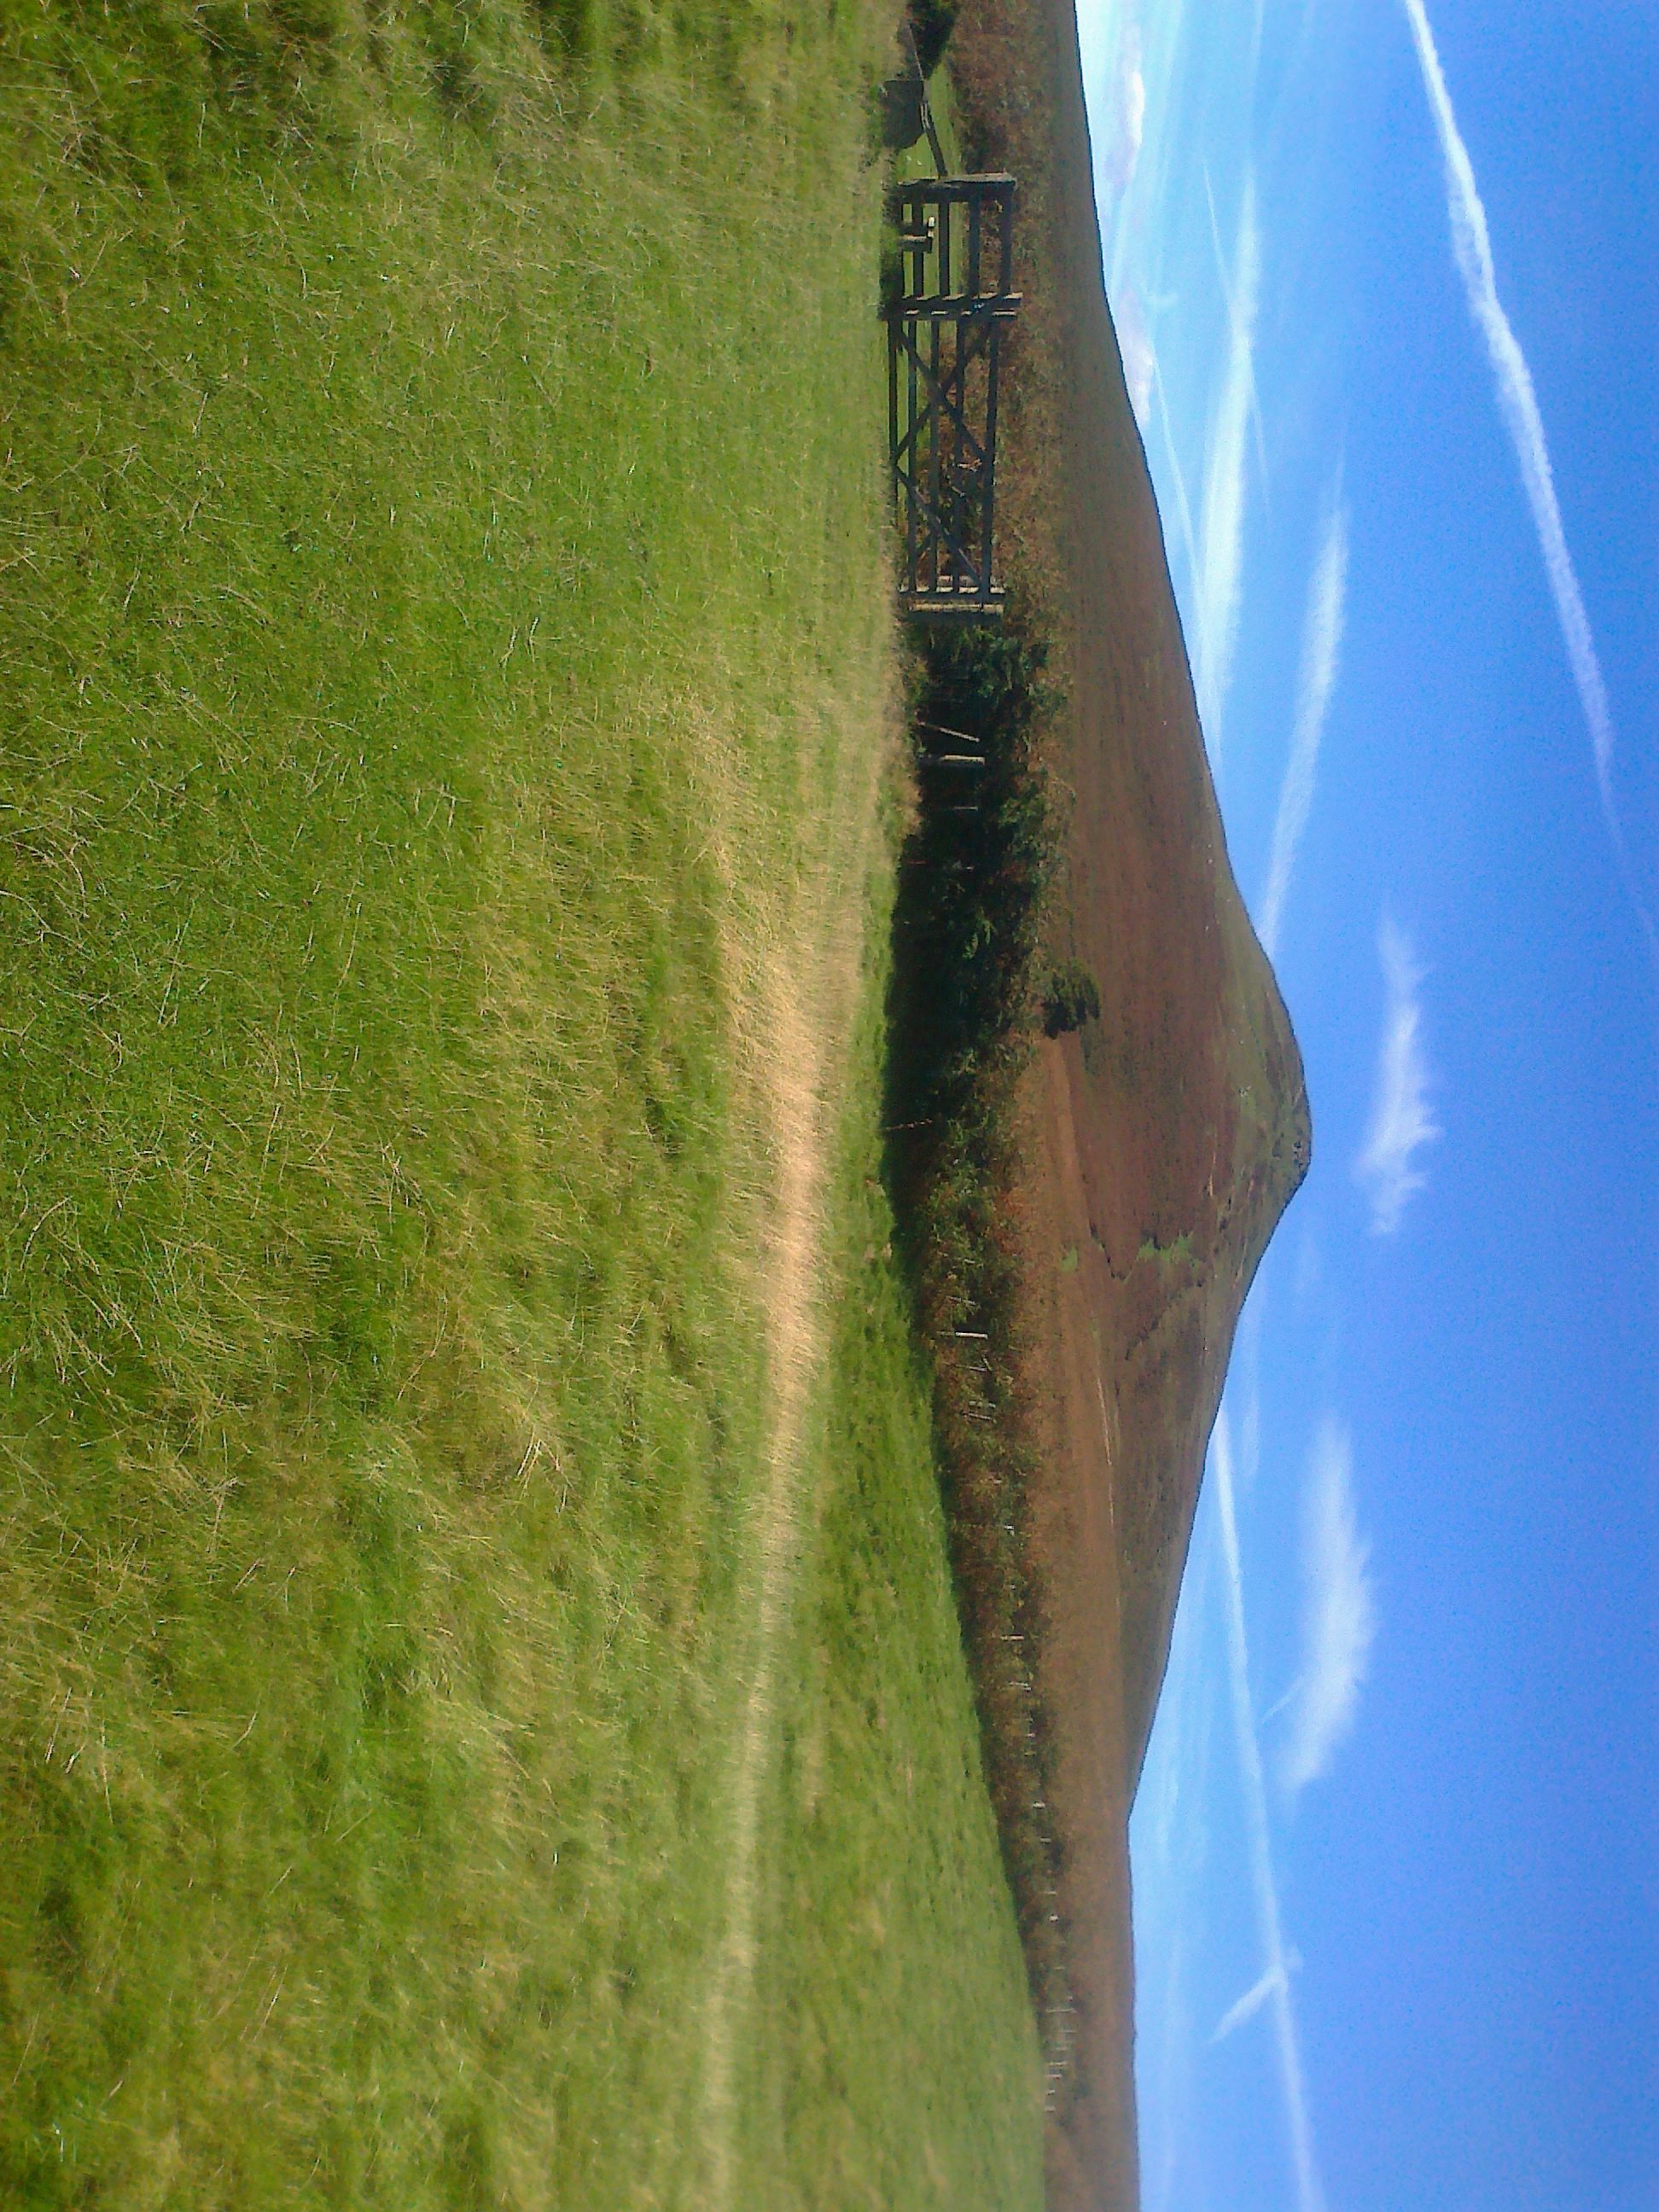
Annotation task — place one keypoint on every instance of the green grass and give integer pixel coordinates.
(897, 2059)
(914, 162)
(963, 1017)
(443, 620)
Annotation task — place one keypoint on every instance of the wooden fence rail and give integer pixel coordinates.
(945, 329)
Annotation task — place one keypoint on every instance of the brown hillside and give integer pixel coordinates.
(1167, 1140)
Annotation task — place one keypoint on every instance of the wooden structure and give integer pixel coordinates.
(945, 329)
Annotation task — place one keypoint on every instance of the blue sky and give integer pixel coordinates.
(1386, 276)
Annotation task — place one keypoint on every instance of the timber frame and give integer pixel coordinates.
(944, 328)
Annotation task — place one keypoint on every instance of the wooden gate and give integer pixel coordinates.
(943, 339)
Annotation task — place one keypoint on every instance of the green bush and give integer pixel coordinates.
(932, 22)
(974, 873)
(1070, 998)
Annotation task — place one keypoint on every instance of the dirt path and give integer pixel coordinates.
(794, 1335)
(794, 1019)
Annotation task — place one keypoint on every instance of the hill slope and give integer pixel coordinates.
(1166, 1138)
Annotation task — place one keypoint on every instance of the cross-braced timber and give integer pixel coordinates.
(944, 359)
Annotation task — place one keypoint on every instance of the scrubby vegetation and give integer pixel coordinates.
(967, 936)
(932, 22)
(1070, 996)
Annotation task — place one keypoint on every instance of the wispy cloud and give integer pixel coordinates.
(1173, 1843)
(1310, 2196)
(1270, 1983)
(1216, 588)
(1247, 1365)
(1400, 1122)
(1184, 509)
(1125, 114)
(1135, 343)
(1517, 403)
(1321, 643)
(1226, 283)
(1339, 1613)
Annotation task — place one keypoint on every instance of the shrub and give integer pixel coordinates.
(932, 22)
(975, 871)
(1070, 998)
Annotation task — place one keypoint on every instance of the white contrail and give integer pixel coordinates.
(1401, 1122)
(1321, 642)
(1218, 587)
(1249, 2004)
(1227, 301)
(1339, 1614)
(1517, 403)
(1310, 2196)
(1183, 511)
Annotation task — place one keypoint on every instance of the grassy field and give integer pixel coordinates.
(895, 2059)
(445, 665)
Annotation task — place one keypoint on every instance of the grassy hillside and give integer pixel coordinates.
(444, 657)
(895, 2058)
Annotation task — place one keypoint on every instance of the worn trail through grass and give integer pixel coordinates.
(797, 1049)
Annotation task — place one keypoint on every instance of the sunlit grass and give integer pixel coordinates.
(888, 1843)
(442, 591)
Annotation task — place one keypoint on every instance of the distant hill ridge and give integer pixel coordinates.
(1166, 1138)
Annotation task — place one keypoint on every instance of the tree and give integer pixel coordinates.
(1070, 998)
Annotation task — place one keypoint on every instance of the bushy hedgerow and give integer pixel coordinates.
(1070, 997)
(975, 869)
(932, 22)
